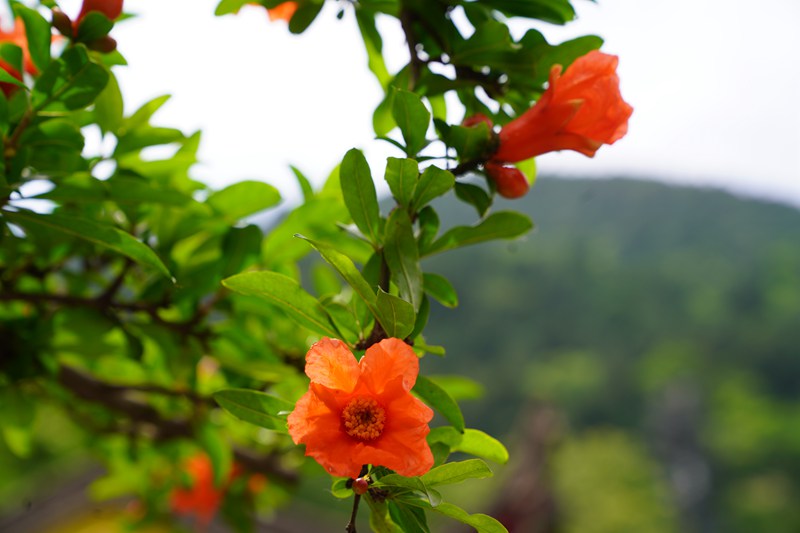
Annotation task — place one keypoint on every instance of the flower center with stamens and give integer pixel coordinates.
(364, 419)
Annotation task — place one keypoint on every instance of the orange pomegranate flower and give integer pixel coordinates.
(202, 499)
(581, 111)
(284, 11)
(358, 413)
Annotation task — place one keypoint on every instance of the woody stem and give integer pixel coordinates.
(351, 525)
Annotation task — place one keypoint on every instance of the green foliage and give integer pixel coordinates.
(139, 308)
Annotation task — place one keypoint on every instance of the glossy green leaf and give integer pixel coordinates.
(555, 11)
(441, 289)
(402, 256)
(358, 191)
(471, 441)
(481, 522)
(428, 227)
(402, 176)
(433, 183)
(432, 497)
(470, 143)
(410, 519)
(304, 183)
(94, 25)
(451, 473)
(108, 107)
(226, 7)
(437, 397)
(243, 199)
(500, 225)
(379, 519)
(288, 295)
(339, 488)
(459, 387)
(486, 45)
(95, 232)
(475, 196)
(395, 315)
(413, 118)
(55, 146)
(71, 83)
(373, 43)
(143, 115)
(304, 16)
(347, 269)
(258, 408)
(37, 31)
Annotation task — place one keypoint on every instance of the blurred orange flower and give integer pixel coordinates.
(284, 11)
(202, 499)
(18, 37)
(358, 413)
(581, 111)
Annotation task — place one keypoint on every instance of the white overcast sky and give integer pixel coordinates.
(714, 84)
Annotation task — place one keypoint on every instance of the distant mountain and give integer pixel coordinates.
(671, 313)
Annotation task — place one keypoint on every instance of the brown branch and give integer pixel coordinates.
(118, 398)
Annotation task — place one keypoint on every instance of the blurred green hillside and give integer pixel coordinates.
(660, 324)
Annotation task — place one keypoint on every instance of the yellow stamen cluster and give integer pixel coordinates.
(364, 419)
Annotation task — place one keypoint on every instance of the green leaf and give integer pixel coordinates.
(555, 11)
(440, 288)
(94, 25)
(288, 295)
(143, 115)
(489, 42)
(71, 83)
(402, 256)
(95, 232)
(428, 227)
(302, 181)
(258, 408)
(472, 441)
(55, 147)
(437, 397)
(402, 176)
(379, 519)
(304, 16)
(410, 519)
(229, 6)
(218, 451)
(108, 107)
(37, 31)
(451, 473)
(470, 143)
(374, 46)
(475, 196)
(500, 225)
(481, 522)
(434, 182)
(413, 118)
(395, 315)
(347, 269)
(339, 488)
(243, 199)
(432, 497)
(459, 387)
(358, 191)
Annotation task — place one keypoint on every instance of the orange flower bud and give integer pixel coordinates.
(510, 182)
(581, 111)
(360, 486)
(110, 8)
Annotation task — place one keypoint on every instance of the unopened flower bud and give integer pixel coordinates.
(62, 23)
(103, 45)
(510, 182)
(360, 486)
